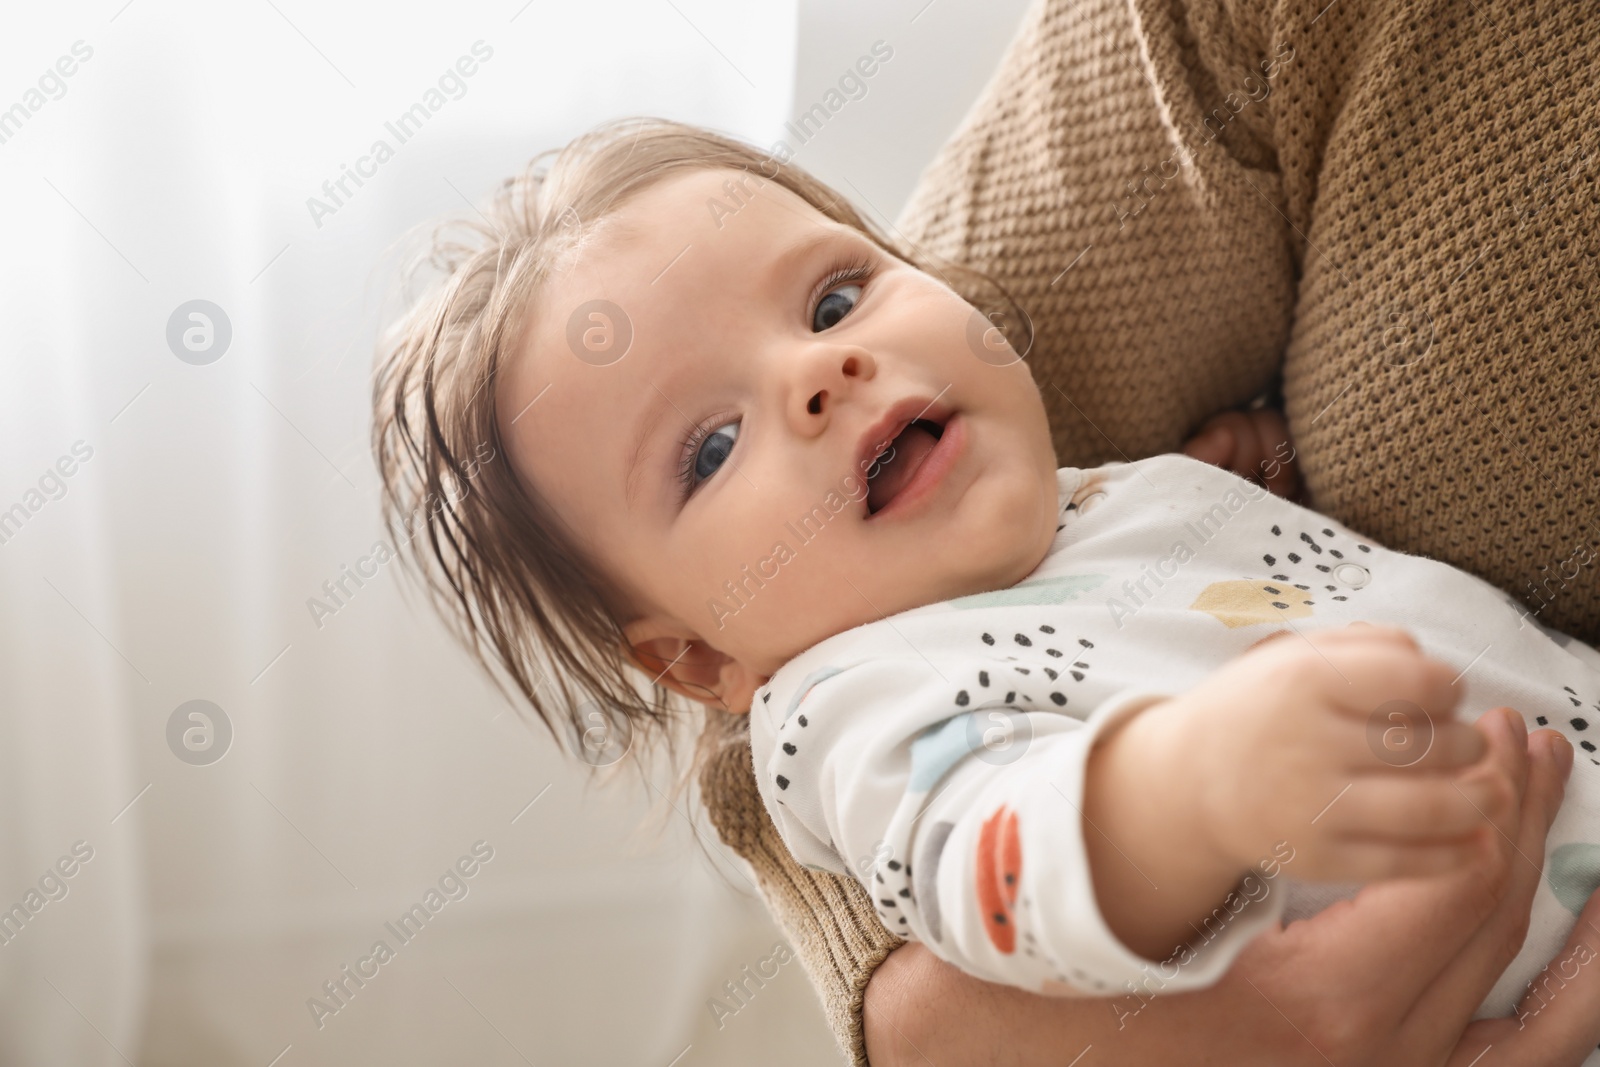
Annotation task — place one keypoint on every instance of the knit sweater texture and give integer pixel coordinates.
(1381, 213)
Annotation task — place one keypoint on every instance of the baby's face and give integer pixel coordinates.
(718, 470)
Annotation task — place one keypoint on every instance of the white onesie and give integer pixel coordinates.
(937, 755)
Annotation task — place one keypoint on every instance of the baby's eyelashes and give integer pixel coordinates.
(704, 453)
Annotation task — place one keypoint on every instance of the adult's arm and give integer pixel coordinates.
(829, 922)
(1387, 980)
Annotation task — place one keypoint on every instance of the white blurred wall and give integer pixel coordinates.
(367, 755)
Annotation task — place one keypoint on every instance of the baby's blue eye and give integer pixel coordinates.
(713, 449)
(834, 306)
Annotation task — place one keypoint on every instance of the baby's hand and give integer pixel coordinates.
(1252, 444)
(1285, 743)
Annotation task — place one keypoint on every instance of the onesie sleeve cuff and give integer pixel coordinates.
(1108, 964)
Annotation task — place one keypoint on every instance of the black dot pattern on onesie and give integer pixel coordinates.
(788, 747)
(1041, 641)
(1066, 509)
(984, 690)
(1315, 562)
(1578, 723)
(1047, 653)
(892, 890)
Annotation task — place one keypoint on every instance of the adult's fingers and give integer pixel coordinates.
(1214, 444)
(1276, 463)
(1558, 1022)
(1252, 444)
(1510, 765)
(1246, 458)
(1369, 861)
(1380, 955)
(1403, 967)
(1428, 767)
(1442, 1012)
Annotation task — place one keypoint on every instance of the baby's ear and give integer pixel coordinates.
(681, 661)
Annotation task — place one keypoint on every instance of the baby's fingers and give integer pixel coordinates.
(1405, 706)
(1381, 670)
(1419, 809)
(1408, 742)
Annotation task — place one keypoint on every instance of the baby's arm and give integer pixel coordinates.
(1182, 800)
(965, 828)
(1060, 855)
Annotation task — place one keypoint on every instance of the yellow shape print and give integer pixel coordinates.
(1250, 603)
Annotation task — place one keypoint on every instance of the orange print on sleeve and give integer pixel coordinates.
(999, 872)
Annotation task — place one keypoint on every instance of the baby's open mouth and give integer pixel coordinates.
(896, 464)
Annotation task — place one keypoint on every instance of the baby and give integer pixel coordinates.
(1068, 726)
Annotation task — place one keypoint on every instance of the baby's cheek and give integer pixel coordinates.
(750, 587)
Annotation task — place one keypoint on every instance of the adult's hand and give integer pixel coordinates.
(1389, 979)
(1253, 444)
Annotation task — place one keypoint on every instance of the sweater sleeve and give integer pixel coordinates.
(828, 919)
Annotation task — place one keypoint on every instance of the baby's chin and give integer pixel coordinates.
(1003, 531)
(962, 573)
(993, 538)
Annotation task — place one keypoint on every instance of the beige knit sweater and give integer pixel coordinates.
(1392, 205)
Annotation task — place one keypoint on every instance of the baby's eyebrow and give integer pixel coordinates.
(799, 251)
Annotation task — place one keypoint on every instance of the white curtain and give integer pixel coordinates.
(367, 757)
